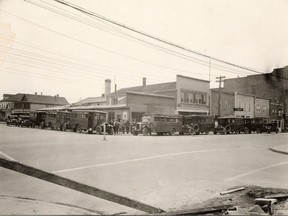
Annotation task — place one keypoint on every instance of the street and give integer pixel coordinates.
(169, 172)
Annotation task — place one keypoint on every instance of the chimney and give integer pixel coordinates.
(57, 95)
(107, 90)
(41, 93)
(107, 87)
(35, 93)
(144, 81)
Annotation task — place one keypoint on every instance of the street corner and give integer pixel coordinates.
(282, 149)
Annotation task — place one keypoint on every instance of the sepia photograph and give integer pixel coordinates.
(143, 107)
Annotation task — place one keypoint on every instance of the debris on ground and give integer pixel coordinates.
(252, 200)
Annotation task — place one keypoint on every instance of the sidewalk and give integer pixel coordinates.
(283, 149)
(25, 206)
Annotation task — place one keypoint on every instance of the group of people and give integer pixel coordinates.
(123, 126)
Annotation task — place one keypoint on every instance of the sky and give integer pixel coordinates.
(49, 48)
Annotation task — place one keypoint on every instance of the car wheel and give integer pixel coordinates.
(246, 130)
(64, 127)
(145, 131)
(98, 130)
(191, 131)
(258, 130)
(172, 132)
(79, 130)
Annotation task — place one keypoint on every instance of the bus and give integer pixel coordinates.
(230, 124)
(161, 124)
(58, 120)
(88, 120)
(196, 124)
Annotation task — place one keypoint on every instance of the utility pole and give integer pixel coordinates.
(220, 80)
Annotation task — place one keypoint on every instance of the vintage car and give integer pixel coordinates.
(196, 124)
(12, 120)
(108, 127)
(255, 124)
(230, 124)
(270, 127)
(25, 121)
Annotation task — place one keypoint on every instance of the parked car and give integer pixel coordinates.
(230, 124)
(270, 127)
(196, 124)
(12, 120)
(108, 127)
(255, 124)
(25, 121)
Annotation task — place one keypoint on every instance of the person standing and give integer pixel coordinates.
(122, 125)
(127, 124)
(116, 125)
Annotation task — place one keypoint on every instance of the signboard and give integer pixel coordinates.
(125, 115)
(238, 109)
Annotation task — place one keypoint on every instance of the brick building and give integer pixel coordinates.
(241, 105)
(272, 86)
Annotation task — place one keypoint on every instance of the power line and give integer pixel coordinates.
(128, 36)
(87, 12)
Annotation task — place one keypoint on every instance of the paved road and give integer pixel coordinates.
(168, 172)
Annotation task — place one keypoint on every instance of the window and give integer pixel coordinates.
(182, 96)
(186, 97)
(226, 104)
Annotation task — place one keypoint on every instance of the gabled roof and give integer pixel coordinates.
(90, 100)
(147, 88)
(37, 99)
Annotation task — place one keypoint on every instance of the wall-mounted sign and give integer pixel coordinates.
(125, 115)
(238, 109)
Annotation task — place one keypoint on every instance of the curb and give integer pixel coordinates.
(278, 151)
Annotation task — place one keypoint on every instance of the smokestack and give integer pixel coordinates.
(107, 90)
(144, 81)
(107, 87)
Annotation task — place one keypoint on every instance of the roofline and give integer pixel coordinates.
(178, 75)
(153, 95)
(141, 86)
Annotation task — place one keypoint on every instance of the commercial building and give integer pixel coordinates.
(271, 86)
(187, 95)
(240, 105)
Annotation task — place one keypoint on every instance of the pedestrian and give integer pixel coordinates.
(122, 125)
(127, 124)
(116, 125)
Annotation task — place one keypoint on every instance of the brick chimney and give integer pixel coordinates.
(144, 81)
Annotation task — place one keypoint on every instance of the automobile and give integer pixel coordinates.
(255, 124)
(108, 127)
(196, 124)
(25, 120)
(12, 120)
(137, 129)
(270, 127)
(230, 124)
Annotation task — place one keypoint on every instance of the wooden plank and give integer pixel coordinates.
(232, 191)
(277, 196)
(206, 210)
(53, 178)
